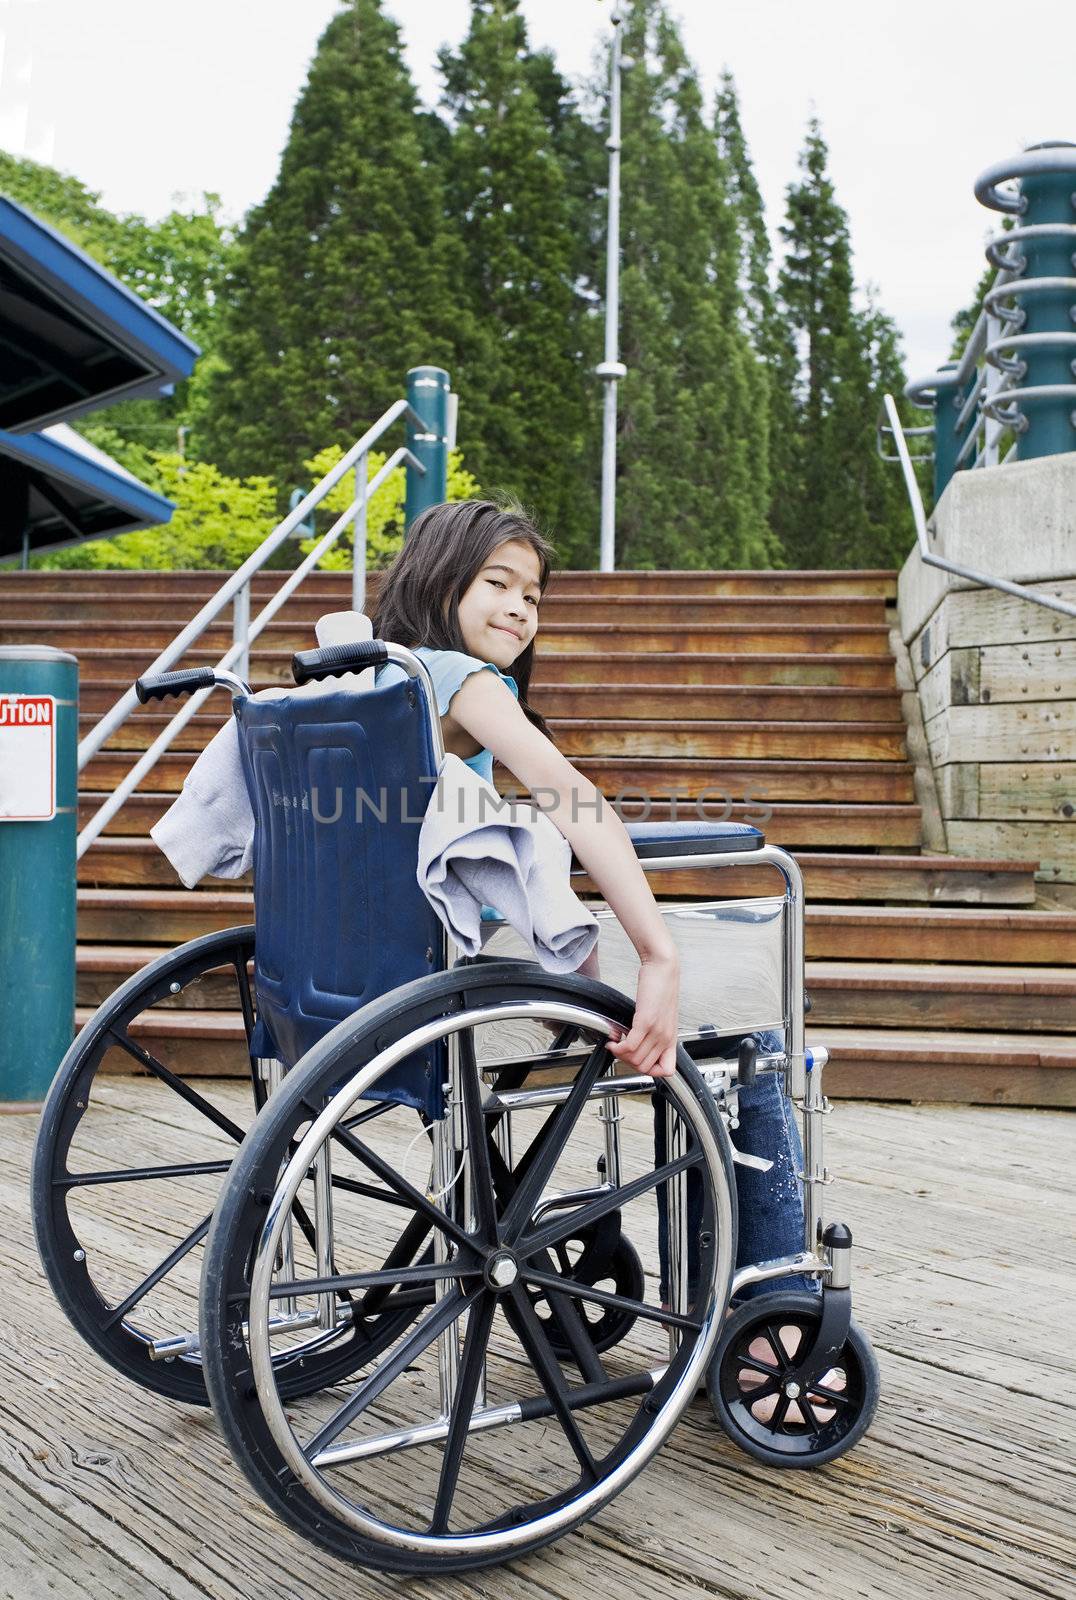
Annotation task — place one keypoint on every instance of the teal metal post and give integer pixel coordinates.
(427, 392)
(947, 402)
(1048, 198)
(38, 714)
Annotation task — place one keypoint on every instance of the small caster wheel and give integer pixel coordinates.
(755, 1390)
(602, 1258)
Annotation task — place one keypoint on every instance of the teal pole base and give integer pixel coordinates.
(37, 892)
(427, 393)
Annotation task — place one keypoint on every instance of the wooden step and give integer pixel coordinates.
(792, 825)
(196, 587)
(102, 603)
(714, 668)
(995, 1068)
(162, 917)
(633, 778)
(892, 994)
(148, 637)
(940, 933)
(733, 637)
(621, 737)
(568, 701)
(706, 670)
(717, 741)
(136, 861)
(598, 638)
(192, 1043)
(754, 783)
(101, 968)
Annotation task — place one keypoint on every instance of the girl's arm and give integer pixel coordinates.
(486, 709)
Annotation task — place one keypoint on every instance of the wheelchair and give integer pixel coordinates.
(437, 1331)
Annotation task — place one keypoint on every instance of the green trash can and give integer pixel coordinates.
(38, 819)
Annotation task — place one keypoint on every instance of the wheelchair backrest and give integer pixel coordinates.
(339, 784)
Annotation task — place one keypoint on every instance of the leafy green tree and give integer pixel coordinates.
(528, 398)
(345, 275)
(217, 523)
(384, 508)
(844, 505)
(693, 475)
(177, 265)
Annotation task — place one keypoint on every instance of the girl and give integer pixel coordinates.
(464, 593)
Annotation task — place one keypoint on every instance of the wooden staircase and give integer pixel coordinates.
(931, 977)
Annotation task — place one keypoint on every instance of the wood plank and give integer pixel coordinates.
(667, 735)
(963, 1280)
(829, 638)
(715, 741)
(995, 1069)
(1027, 671)
(933, 879)
(989, 617)
(790, 824)
(1040, 731)
(100, 604)
(1052, 845)
(1040, 791)
(940, 933)
(703, 668)
(738, 779)
(999, 673)
(167, 917)
(957, 997)
(664, 702)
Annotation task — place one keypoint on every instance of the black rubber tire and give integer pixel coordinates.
(242, 1209)
(798, 1445)
(67, 1265)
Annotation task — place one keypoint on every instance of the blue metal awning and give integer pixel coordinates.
(58, 489)
(72, 337)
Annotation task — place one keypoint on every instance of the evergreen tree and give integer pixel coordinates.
(843, 507)
(345, 275)
(692, 485)
(527, 395)
(763, 318)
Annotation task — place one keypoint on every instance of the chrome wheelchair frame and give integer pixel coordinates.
(493, 1227)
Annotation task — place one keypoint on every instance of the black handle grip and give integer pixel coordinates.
(169, 683)
(310, 666)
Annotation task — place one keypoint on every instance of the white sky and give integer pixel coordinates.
(143, 100)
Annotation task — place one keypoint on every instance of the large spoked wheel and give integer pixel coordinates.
(120, 1224)
(471, 1439)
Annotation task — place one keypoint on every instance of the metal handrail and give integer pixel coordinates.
(1066, 607)
(229, 589)
(234, 587)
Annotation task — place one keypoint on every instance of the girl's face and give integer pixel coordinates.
(498, 613)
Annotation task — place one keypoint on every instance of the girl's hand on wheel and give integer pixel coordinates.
(650, 1044)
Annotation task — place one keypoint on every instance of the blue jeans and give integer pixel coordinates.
(769, 1205)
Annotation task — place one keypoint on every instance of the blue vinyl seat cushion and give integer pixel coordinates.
(694, 837)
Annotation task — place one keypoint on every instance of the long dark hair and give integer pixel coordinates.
(447, 547)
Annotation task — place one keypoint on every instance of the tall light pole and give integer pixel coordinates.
(612, 368)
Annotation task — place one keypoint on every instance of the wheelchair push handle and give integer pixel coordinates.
(162, 685)
(310, 666)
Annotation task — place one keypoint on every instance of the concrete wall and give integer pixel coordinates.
(996, 676)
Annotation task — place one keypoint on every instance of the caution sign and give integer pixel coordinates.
(27, 757)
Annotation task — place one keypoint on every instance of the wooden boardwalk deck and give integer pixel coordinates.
(965, 1278)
